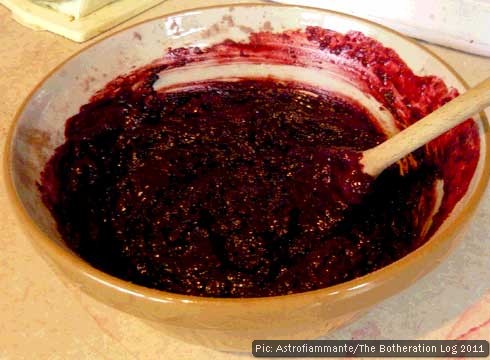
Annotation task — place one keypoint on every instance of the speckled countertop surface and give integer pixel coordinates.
(44, 318)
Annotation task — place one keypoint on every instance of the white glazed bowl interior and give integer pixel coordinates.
(40, 126)
(229, 324)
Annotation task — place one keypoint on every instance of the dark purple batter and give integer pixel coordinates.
(228, 189)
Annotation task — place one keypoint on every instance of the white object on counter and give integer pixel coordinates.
(40, 17)
(75, 8)
(459, 24)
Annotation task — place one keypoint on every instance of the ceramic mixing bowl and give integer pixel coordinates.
(228, 324)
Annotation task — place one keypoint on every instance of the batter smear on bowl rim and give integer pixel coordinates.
(225, 188)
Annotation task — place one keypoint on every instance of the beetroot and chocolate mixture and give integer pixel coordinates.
(227, 189)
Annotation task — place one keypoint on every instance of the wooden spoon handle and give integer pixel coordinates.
(378, 158)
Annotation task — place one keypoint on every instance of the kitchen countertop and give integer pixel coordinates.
(42, 317)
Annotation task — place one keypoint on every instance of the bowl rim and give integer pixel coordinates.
(346, 289)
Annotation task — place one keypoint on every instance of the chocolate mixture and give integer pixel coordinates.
(226, 189)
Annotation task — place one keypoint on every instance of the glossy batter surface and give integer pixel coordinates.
(226, 189)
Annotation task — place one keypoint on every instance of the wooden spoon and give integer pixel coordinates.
(343, 177)
(378, 158)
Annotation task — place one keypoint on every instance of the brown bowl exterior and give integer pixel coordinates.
(232, 324)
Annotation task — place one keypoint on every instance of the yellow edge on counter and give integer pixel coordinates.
(40, 17)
